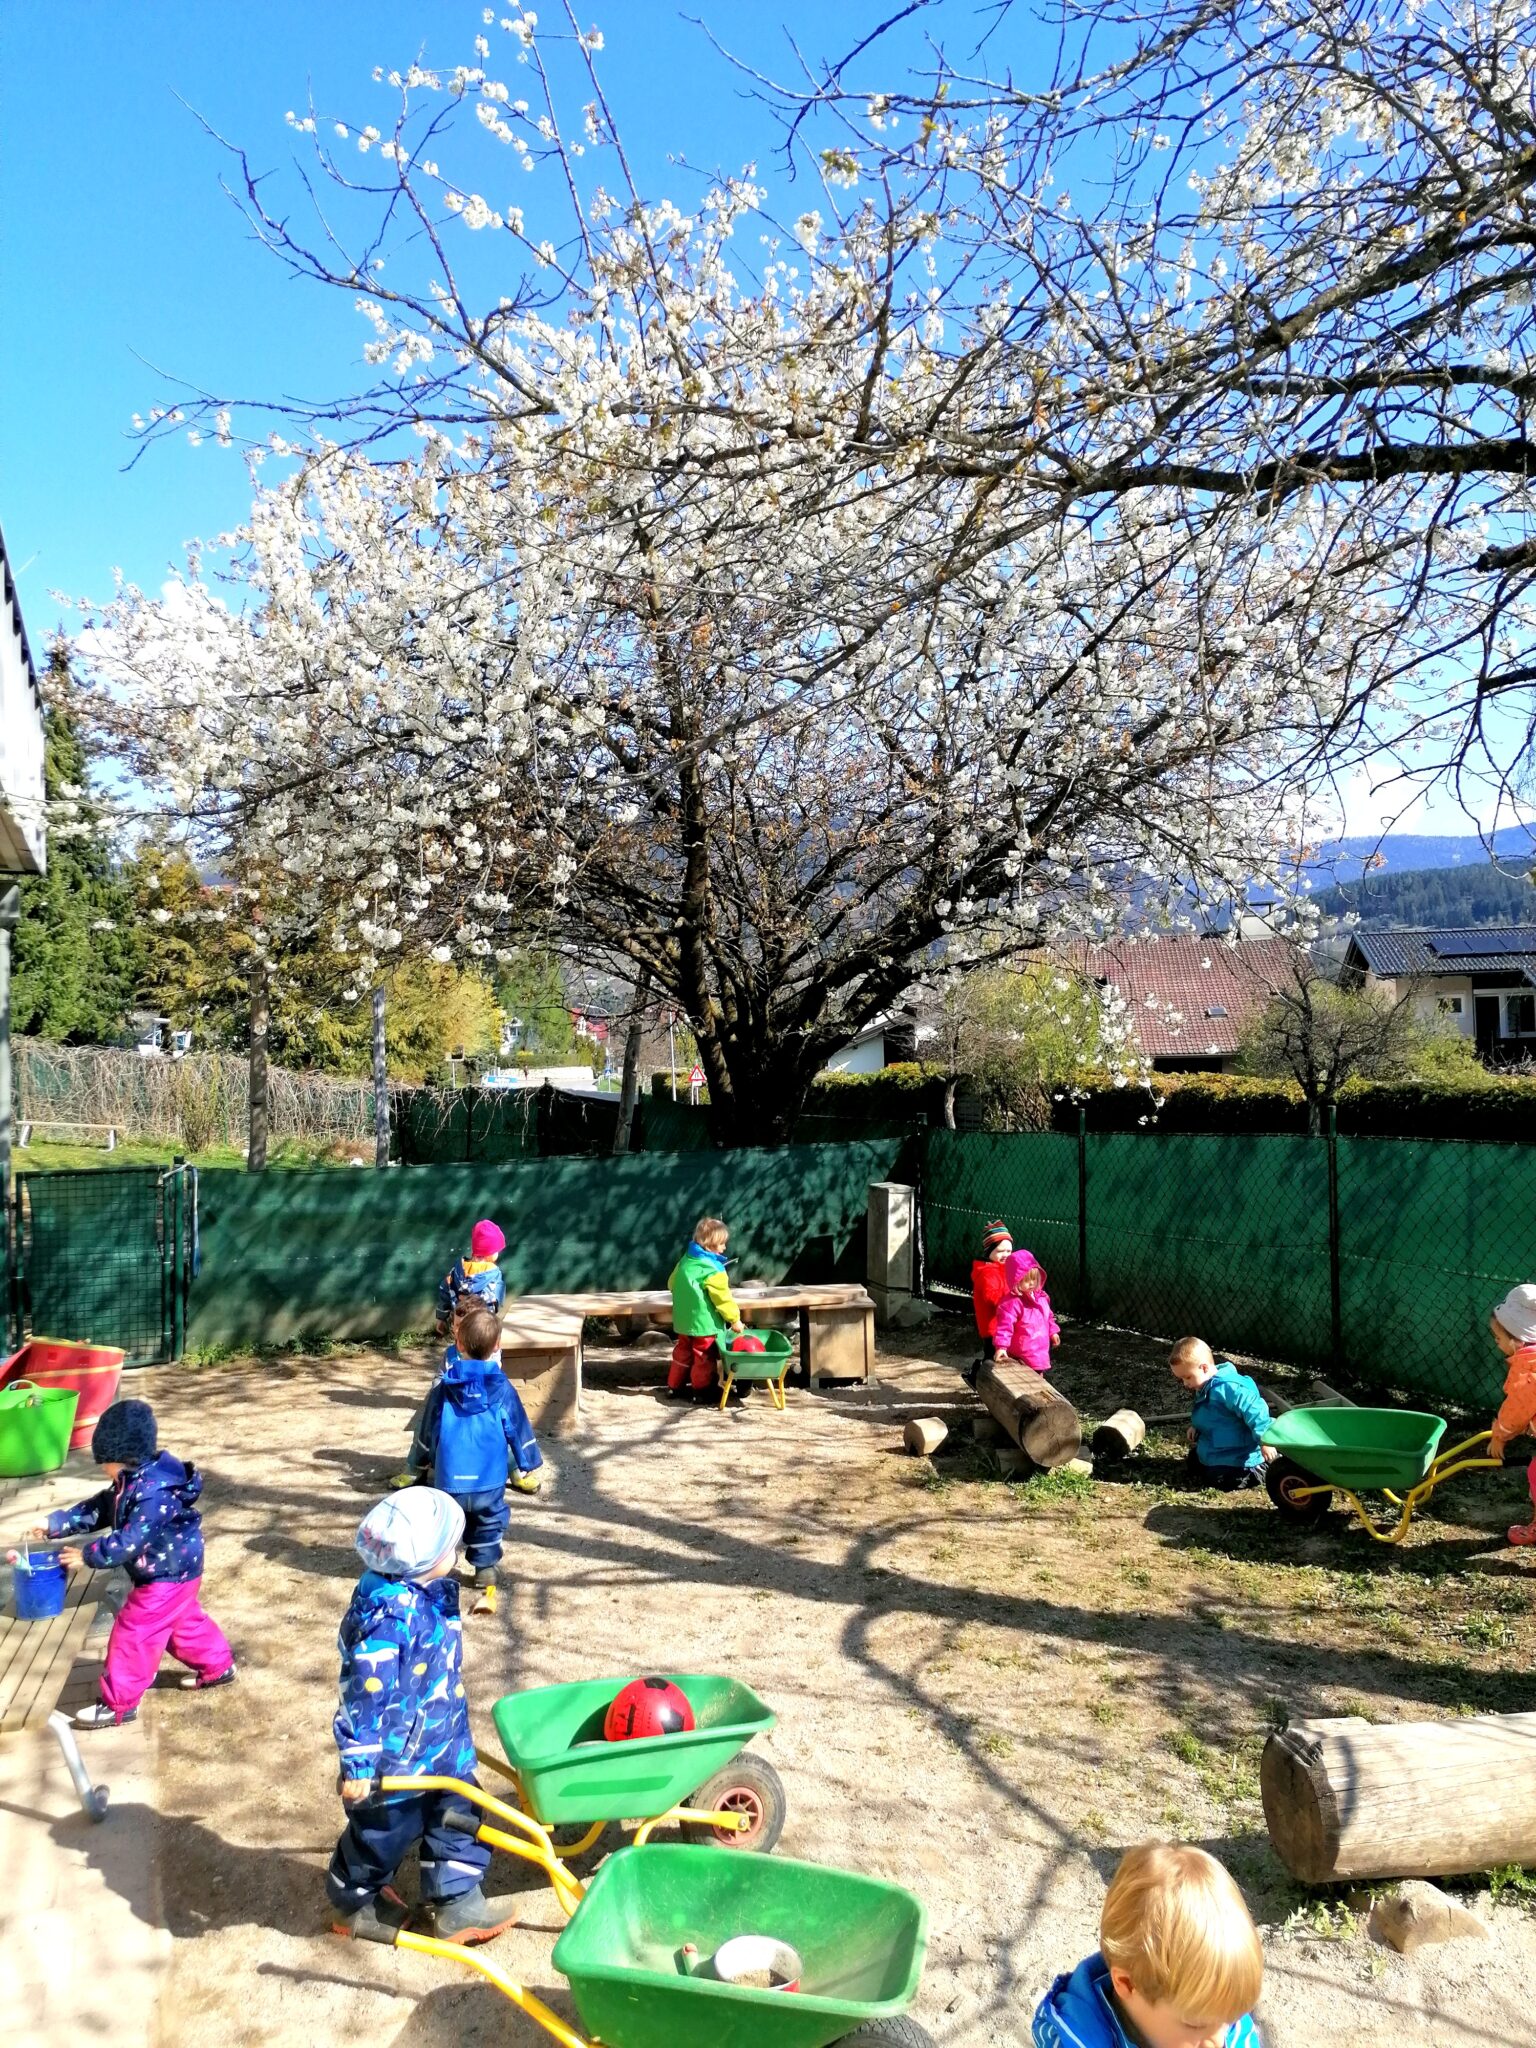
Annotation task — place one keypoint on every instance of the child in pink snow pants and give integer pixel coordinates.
(153, 1529)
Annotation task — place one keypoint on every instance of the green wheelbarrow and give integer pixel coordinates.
(770, 1364)
(1391, 1451)
(564, 1775)
(645, 1950)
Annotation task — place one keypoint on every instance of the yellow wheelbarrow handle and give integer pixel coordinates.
(472, 1959)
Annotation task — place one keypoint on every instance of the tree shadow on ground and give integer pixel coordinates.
(467, 2013)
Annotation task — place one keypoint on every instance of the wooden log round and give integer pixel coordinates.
(1344, 1799)
(1118, 1435)
(1043, 1423)
(923, 1435)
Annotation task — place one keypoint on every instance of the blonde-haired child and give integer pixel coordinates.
(703, 1308)
(1179, 1962)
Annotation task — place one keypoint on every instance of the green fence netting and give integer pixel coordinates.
(1030, 1179)
(1389, 1274)
(307, 1254)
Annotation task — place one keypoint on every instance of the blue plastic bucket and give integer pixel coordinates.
(39, 1585)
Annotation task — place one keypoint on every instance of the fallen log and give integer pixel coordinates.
(1043, 1423)
(1345, 1799)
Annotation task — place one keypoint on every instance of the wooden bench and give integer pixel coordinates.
(541, 1337)
(38, 1686)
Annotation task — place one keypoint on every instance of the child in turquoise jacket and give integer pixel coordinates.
(1227, 1422)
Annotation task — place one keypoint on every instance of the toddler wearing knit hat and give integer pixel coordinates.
(151, 1527)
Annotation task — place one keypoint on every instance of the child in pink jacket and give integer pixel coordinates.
(1024, 1327)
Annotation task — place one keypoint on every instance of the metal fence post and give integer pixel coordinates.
(1335, 1296)
(1084, 1290)
(179, 1260)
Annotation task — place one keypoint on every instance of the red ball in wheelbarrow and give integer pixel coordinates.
(648, 1706)
(748, 1343)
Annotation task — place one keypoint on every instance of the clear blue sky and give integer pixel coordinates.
(120, 254)
(119, 251)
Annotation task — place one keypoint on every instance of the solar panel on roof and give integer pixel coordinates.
(1485, 945)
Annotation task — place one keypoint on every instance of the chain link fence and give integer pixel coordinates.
(1379, 1257)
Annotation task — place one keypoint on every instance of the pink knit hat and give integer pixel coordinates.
(486, 1240)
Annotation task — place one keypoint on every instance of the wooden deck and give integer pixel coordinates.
(38, 1658)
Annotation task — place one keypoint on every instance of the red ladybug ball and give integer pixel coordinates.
(748, 1343)
(648, 1706)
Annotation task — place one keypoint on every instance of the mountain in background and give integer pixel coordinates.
(1456, 896)
(1401, 853)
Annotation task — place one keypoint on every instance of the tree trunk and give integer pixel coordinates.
(380, 1083)
(630, 1085)
(950, 1087)
(260, 1107)
(1343, 1799)
(1043, 1423)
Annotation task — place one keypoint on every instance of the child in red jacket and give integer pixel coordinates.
(988, 1286)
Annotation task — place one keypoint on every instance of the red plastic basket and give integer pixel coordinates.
(89, 1370)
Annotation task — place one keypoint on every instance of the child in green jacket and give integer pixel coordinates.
(703, 1310)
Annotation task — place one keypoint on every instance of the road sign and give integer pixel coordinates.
(696, 1078)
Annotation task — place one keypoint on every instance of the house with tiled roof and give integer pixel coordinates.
(1479, 980)
(1189, 999)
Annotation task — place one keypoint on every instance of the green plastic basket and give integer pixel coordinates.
(553, 1738)
(1359, 1447)
(861, 1945)
(766, 1364)
(35, 1423)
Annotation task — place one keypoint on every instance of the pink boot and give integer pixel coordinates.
(1523, 1533)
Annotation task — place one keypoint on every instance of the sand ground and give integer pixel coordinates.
(985, 1690)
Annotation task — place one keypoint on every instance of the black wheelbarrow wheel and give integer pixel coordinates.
(751, 1788)
(893, 2033)
(1285, 1481)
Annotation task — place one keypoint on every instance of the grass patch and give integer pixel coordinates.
(1055, 1489)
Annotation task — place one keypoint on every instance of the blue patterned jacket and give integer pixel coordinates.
(403, 1710)
(1076, 2013)
(152, 1523)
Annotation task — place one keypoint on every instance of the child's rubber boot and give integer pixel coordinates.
(191, 1682)
(1523, 1533)
(381, 1919)
(526, 1482)
(397, 1480)
(99, 1715)
(472, 1918)
(485, 1593)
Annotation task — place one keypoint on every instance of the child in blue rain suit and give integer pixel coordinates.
(473, 1428)
(1227, 1422)
(403, 1713)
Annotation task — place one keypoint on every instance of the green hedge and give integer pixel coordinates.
(897, 1100)
(1498, 1109)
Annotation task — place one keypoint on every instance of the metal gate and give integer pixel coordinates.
(106, 1257)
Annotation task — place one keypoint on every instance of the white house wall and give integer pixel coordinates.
(23, 820)
(866, 1057)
